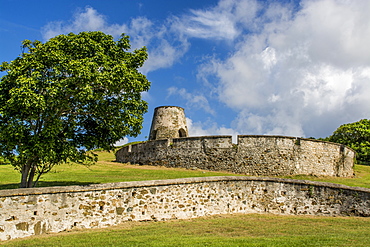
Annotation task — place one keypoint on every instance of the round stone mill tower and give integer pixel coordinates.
(168, 122)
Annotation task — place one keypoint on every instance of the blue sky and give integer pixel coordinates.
(296, 68)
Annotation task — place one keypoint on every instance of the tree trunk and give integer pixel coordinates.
(31, 176)
(25, 171)
(28, 173)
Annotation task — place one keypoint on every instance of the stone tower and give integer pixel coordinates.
(168, 122)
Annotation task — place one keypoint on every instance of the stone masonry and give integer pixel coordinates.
(26, 212)
(256, 155)
(168, 122)
(253, 155)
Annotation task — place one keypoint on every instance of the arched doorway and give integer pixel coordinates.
(182, 133)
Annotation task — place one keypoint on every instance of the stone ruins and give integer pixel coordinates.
(258, 155)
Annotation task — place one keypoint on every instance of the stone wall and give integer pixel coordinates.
(253, 155)
(26, 212)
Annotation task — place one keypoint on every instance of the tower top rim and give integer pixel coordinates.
(169, 106)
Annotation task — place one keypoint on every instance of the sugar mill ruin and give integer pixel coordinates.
(169, 145)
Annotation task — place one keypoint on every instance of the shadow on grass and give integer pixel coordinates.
(46, 184)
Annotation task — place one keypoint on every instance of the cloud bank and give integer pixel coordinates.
(292, 68)
(164, 46)
(296, 72)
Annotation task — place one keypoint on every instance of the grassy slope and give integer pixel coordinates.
(226, 230)
(361, 178)
(106, 171)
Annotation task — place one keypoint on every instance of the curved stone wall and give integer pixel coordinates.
(253, 155)
(26, 212)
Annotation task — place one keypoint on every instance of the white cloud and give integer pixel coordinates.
(222, 22)
(84, 20)
(164, 55)
(193, 100)
(337, 32)
(209, 128)
(164, 46)
(301, 73)
(210, 25)
(121, 142)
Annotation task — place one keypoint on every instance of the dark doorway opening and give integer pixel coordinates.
(182, 133)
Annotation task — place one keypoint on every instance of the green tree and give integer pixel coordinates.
(357, 136)
(65, 97)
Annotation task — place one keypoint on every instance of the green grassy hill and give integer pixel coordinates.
(104, 171)
(108, 171)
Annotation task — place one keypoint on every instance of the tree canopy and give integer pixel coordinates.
(67, 96)
(356, 136)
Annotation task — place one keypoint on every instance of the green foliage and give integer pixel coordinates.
(356, 136)
(72, 94)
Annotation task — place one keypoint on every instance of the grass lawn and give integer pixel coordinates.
(104, 171)
(225, 230)
(361, 178)
(108, 171)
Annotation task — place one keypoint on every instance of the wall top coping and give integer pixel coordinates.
(293, 138)
(285, 137)
(245, 136)
(203, 137)
(169, 106)
(183, 139)
(242, 136)
(178, 181)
